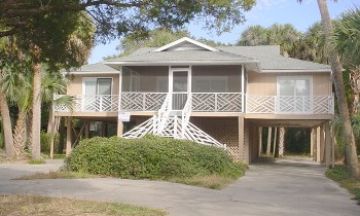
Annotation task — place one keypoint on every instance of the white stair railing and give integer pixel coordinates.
(185, 115)
(169, 123)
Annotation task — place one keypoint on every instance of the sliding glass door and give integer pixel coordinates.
(97, 94)
(294, 94)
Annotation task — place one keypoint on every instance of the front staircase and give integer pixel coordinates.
(174, 124)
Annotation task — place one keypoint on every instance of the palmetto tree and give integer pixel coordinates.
(347, 37)
(18, 89)
(284, 35)
(254, 35)
(336, 66)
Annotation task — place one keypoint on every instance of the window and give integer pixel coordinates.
(97, 86)
(294, 94)
(97, 94)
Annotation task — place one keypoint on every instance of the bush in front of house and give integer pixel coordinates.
(151, 157)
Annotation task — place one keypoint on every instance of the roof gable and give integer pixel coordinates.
(185, 43)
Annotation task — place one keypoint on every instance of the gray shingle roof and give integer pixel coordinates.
(98, 67)
(268, 57)
(146, 55)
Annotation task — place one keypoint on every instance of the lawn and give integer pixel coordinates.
(42, 206)
(341, 175)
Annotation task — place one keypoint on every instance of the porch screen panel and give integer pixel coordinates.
(145, 79)
(216, 79)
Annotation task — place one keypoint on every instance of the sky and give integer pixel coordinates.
(265, 13)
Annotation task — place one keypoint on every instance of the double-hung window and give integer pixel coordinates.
(294, 94)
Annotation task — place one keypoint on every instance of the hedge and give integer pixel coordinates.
(151, 157)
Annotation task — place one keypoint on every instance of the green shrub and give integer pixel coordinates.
(151, 158)
(45, 139)
(37, 161)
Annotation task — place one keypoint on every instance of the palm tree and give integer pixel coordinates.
(77, 48)
(315, 39)
(284, 35)
(347, 37)
(18, 89)
(254, 35)
(336, 66)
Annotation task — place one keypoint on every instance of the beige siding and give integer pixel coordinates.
(75, 84)
(266, 84)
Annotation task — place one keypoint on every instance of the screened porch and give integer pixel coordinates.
(211, 88)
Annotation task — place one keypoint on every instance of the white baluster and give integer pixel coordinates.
(101, 103)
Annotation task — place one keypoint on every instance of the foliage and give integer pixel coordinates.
(284, 35)
(298, 140)
(37, 161)
(347, 37)
(151, 158)
(155, 38)
(341, 175)
(45, 141)
(253, 36)
(116, 17)
(56, 175)
(22, 205)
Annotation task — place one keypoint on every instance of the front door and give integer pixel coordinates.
(179, 88)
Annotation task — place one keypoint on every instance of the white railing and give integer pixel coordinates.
(217, 101)
(142, 101)
(185, 115)
(200, 102)
(96, 103)
(162, 115)
(290, 104)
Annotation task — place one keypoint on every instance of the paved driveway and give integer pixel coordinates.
(284, 188)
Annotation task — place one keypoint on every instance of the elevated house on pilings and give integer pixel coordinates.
(219, 96)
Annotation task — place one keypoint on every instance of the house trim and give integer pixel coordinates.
(189, 40)
(297, 70)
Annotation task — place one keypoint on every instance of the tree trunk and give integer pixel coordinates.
(20, 134)
(36, 104)
(350, 146)
(7, 127)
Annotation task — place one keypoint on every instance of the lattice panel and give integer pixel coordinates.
(97, 103)
(229, 102)
(323, 104)
(132, 101)
(153, 101)
(142, 101)
(290, 104)
(260, 104)
(203, 102)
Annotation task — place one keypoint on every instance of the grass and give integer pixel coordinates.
(341, 175)
(37, 161)
(210, 181)
(42, 206)
(57, 175)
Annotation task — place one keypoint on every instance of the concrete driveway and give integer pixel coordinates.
(283, 188)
